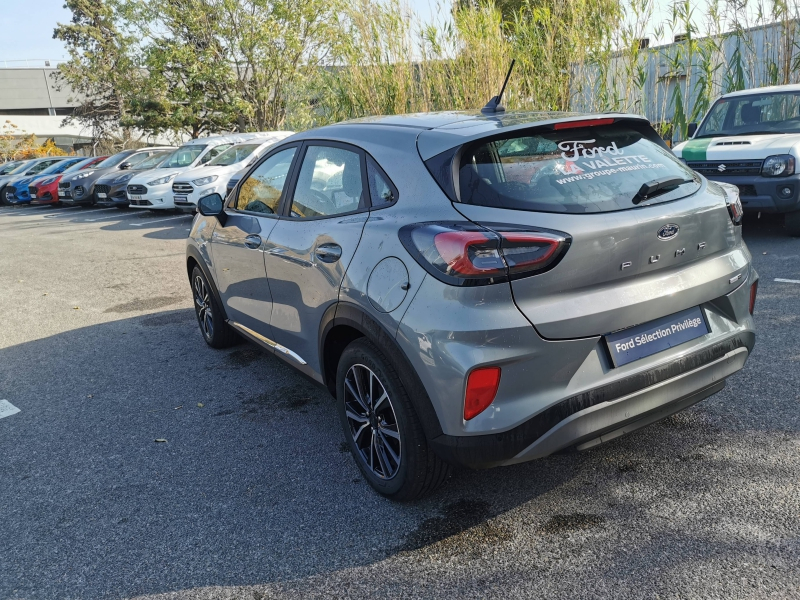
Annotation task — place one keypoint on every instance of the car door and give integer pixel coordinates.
(237, 247)
(309, 249)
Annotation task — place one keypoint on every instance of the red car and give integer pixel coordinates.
(44, 190)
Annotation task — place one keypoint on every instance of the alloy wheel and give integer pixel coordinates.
(372, 420)
(202, 300)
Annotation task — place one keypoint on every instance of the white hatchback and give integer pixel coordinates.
(213, 178)
(153, 189)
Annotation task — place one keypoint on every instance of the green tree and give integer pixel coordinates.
(101, 69)
(189, 82)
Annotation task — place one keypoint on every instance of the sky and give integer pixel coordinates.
(28, 31)
(27, 27)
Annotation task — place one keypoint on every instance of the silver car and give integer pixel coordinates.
(480, 290)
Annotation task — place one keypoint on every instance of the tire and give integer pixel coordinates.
(792, 223)
(3, 197)
(215, 331)
(386, 432)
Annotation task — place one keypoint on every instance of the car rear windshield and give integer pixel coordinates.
(183, 157)
(576, 170)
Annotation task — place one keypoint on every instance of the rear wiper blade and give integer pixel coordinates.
(658, 186)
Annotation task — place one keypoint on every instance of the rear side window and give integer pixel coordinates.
(578, 170)
(382, 192)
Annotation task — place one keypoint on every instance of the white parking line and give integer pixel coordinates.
(779, 280)
(7, 409)
(119, 216)
(159, 220)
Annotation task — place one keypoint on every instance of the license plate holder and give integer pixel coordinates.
(134, 197)
(640, 341)
(102, 195)
(180, 198)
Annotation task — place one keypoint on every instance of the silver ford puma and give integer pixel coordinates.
(480, 290)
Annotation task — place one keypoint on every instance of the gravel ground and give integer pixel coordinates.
(253, 496)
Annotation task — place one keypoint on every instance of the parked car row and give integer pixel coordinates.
(142, 177)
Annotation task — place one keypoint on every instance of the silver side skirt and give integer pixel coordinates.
(266, 342)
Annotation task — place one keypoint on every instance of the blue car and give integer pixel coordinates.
(15, 190)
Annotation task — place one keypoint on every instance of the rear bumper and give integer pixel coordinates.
(606, 412)
(762, 194)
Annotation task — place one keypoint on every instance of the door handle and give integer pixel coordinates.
(253, 241)
(329, 253)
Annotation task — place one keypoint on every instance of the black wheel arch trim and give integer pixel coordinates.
(194, 254)
(352, 315)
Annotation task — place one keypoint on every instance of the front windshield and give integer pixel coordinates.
(777, 112)
(183, 157)
(79, 165)
(153, 161)
(61, 166)
(233, 155)
(113, 161)
(9, 167)
(23, 166)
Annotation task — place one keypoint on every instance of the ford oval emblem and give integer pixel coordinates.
(668, 231)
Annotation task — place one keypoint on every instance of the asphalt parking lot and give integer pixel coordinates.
(252, 494)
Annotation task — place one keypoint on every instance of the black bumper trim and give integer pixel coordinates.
(481, 451)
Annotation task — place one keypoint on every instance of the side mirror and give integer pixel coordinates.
(212, 206)
(691, 128)
(125, 165)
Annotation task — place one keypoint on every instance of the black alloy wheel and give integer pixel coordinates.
(381, 426)
(216, 332)
(373, 423)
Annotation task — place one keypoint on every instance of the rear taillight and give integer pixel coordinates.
(469, 254)
(753, 292)
(735, 209)
(482, 387)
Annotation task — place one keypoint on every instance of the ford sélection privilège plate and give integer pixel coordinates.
(643, 340)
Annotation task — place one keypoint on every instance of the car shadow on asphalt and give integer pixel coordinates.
(143, 462)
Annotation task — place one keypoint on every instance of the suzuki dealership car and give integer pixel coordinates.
(751, 139)
(109, 190)
(79, 188)
(44, 190)
(213, 178)
(153, 189)
(480, 290)
(16, 190)
(26, 169)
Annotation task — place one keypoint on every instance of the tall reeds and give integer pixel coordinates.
(584, 55)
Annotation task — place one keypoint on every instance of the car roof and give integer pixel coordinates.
(794, 87)
(438, 132)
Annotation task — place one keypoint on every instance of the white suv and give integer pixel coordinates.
(751, 139)
(192, 185)
(153, 189)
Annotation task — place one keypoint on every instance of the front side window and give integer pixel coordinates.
(580, 170)
(753, 114)
(261, 191)
(329, 183)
